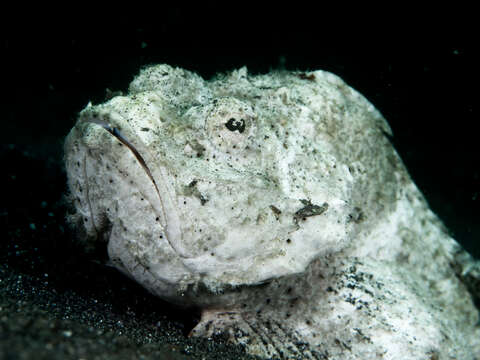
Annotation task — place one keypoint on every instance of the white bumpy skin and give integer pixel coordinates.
(277, 205)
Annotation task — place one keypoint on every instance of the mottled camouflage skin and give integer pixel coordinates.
(277, 205)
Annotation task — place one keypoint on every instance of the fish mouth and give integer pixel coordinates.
(167, 212)
(116, 133)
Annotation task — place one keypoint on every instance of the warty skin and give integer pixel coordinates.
(276, 204)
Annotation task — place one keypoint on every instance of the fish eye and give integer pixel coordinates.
(235, 125)
(229, 123)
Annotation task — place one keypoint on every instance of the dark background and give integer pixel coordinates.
(55, 301)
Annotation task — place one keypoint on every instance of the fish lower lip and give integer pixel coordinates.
(173, 236)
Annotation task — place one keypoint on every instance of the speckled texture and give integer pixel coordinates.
(56, 301)
(272, 197)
